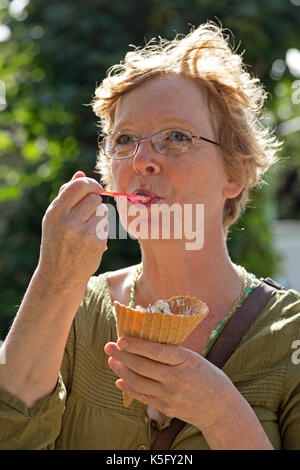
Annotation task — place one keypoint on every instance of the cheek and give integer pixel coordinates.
(118, 173)
(204, 184)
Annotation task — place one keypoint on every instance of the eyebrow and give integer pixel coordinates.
(170, 122)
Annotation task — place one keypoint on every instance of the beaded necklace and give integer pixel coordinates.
(133, 285)
(250, 282)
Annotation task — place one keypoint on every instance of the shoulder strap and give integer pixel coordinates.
(224, 346)
(239, 324)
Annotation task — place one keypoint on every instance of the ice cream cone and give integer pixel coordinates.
(187, 313)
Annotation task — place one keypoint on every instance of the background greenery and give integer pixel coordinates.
(52, 55)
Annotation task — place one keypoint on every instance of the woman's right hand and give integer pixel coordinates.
(71, 248)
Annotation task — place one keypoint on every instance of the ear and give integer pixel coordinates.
(233, 188)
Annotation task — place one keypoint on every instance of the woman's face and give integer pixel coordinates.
(195, 177)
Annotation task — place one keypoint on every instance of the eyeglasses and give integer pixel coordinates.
(166, 142)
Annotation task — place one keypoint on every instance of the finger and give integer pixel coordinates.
(98, 230)
(87, 207)
(100, 226)
(141, 384)
(141, 365)
(164, 353)
(62, 187)
(77, 189)
(78, 174)
(147, 399)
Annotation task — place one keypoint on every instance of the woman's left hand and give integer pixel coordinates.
(174, 380)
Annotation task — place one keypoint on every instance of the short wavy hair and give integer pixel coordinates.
(235, 98)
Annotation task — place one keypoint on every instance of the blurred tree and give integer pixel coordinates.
(52, 56)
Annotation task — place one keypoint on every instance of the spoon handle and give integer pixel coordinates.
(131, 197)
(109, 193)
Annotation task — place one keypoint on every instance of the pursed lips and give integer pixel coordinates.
(144, 192)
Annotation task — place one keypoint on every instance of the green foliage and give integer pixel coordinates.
(251, 238)
(57, 52)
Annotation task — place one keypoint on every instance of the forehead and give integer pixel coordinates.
(168, 100)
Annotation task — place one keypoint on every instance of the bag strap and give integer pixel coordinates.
(239, 324)
(224, 346)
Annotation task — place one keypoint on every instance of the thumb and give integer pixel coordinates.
(78, 174)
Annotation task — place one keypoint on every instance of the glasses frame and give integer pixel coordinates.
(139, 140)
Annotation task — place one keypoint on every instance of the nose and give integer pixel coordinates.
(146, 160)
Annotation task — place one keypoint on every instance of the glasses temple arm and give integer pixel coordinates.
(204, 138)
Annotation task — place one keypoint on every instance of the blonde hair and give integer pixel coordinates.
(235, 98)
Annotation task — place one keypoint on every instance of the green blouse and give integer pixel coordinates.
(86, 409)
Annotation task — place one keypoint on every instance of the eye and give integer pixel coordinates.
(178, 136)
(124, 139)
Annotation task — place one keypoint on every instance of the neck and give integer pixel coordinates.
(169, 269)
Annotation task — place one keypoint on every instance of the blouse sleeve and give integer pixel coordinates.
(290, 423)
(289, 419)
(38, 427)
(24, 428)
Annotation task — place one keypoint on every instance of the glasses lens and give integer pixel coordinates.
(119, 145)
(172, 141)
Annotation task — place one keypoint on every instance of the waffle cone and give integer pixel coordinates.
(187, 311)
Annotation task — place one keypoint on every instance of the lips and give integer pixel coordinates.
(144, 192)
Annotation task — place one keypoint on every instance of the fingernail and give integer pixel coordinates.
(122, 343)
(119, 384)
(107, 349)
(78, 174)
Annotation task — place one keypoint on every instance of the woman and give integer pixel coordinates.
(180, 121)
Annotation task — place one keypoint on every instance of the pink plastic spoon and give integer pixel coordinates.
(134, 198)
